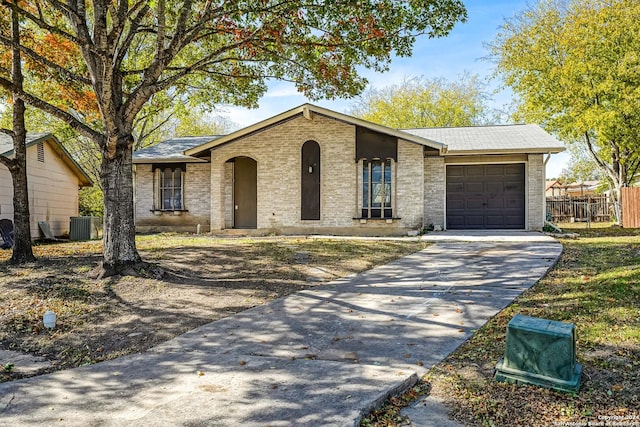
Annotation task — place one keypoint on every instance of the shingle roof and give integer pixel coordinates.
(458, 140)
(6, 142)
(492, 139)
(172, 149)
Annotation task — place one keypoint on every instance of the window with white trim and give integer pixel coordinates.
(377, 189)
(169, 188)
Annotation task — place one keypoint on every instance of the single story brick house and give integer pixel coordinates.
(312, 170)
(53, 180)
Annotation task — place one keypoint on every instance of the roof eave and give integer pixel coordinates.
(540, 150)
(307, 111)
(170, 160)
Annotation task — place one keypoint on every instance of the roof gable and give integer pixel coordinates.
(6, 149)
(307, 111)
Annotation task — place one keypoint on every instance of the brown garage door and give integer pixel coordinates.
(485, 196)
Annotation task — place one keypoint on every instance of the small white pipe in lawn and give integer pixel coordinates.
(49, 319)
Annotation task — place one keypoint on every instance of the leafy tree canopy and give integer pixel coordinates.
(575, 64)
(421, 102)
(581, 166)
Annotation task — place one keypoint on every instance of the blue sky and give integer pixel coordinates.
(449, 57)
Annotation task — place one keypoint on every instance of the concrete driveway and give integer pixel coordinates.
(323, 356)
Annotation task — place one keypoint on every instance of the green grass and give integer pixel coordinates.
(596, 286)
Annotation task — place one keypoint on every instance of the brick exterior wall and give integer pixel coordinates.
(535, 191)
(409, 182)
(418, 182)
(228, 195)
(277, 151)
(434, 192)
(196, 201)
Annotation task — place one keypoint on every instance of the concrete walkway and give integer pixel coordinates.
(323, 356)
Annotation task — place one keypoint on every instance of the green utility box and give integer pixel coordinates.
(540, 352)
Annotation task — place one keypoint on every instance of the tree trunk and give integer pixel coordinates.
(22, 251)
(119, 243)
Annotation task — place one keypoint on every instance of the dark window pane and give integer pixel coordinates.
(376, 172)
(387, 195)
(376, 195)
(166, 203)
(365, 184)
(365, 194)
(177, 198)
(168, 175)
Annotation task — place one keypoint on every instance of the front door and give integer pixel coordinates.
(310, 179)
(245, 194)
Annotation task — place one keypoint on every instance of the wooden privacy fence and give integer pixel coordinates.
(583, 208)
(630, 207)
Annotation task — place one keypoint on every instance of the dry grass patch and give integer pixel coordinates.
(206, 279)
(596, 286)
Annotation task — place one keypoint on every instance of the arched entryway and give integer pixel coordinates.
(245, 194)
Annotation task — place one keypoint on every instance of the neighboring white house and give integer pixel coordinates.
(312, 170)
(54, 179)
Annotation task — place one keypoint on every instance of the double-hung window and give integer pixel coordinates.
(376, 189)
(170, 188)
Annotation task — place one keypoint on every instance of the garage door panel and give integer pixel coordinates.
(473, 187)
(456, 204)
(513, 169)
(485, 196)
(456, 221)
(494, 170)
(515, 204)
(495, 204)
(476, 204)
(473, 170)
(494, 187)
(474, 221)
(515, 187)
(494, 221)
(513, 221)
(454, 171)
(455, 187)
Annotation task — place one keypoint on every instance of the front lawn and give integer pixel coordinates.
(596, 286)
(206, 279)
